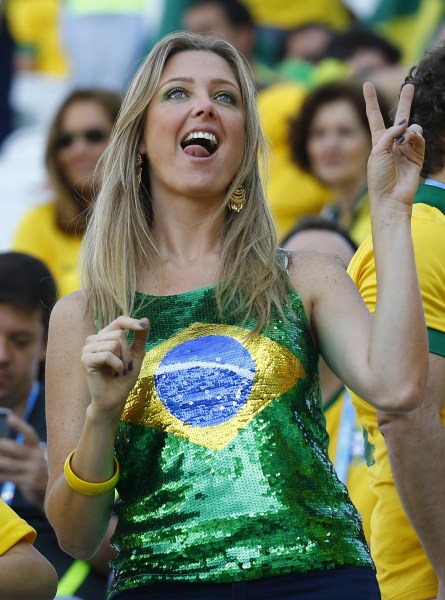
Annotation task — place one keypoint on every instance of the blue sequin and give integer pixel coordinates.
(205, 381)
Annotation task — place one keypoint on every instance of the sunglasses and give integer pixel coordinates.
(94, 135)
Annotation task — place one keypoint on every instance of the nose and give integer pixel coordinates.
(79, 145)
(4, 353)
(204, 107)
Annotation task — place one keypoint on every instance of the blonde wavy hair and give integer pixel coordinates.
(118, 244)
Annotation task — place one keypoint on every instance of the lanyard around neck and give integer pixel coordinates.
(345, 437)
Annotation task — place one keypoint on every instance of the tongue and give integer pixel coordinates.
(196, 150)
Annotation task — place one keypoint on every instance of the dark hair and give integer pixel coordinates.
(300, 126)
(318, 222)
(26, 282)
(345, 44)
(428, 106)
(235, 11)
(288, 34)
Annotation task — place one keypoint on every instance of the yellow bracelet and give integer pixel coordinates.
(85, 487)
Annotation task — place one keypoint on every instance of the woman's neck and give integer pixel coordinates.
(71, 211)
(186, 231)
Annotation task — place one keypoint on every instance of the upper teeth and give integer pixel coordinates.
(201, 134)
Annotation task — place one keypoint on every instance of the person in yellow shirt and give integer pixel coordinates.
(291, 192)
(77, 138)
(35, 29)
(405, 454)
(24, 572)
(330, 140)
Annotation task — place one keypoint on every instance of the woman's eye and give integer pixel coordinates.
(226, 97)
(175, 94)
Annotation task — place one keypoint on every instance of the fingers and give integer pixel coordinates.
(140, 339)
(375, 119)
(19, 457)
(28, 433)
(110, 347)
(412, 144)
(404, 106)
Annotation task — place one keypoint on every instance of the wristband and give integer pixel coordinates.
(86, 487)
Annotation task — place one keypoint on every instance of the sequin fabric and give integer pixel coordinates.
(223, 453)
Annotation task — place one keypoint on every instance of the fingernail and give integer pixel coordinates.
(400, 139)
(143, 324)
(130, 365)
(402, 121)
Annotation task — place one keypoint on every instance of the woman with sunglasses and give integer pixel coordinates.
(186, 374)
(76, 139)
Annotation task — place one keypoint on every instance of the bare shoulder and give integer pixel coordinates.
(73, 312)
(311, 271)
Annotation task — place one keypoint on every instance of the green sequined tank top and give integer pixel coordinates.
(223, 452)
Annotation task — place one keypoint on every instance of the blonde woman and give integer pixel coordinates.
(185, 375)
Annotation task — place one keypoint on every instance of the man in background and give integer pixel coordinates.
(406, 450)
(27, 295)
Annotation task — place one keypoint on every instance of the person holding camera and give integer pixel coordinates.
(27, 295)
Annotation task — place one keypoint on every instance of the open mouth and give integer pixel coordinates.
(200, 144)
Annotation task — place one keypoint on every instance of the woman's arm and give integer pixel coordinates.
(383, 359)
(88, 380)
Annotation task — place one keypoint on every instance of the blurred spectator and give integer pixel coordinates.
(27, 295)
(19, 557)
(231, 21)
(330, 139)
(35, 27)
(307, 42)
(410, 25)
(362, 54)
(301, 50)
(76, 139)
(291, 192)
(406, 450)
(346, 442)
(271, 19)
(39, 64)
(362, 50)
(6, 71)
(104, 40)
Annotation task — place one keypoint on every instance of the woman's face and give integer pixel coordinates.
(194, 128)
(84, 131)
(338, 144)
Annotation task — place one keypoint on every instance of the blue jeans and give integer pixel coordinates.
(349, 583)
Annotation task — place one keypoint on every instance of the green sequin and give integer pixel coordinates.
(223, 454)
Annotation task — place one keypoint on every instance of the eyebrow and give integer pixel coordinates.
(217, 81)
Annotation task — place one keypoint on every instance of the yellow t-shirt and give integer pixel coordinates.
(39, 236)
(35, 27)
(285, 15)
(357, 481)
(291, 193)
(13, 529)
(403, 569)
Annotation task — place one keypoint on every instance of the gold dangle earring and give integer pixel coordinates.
(139, 169)
(237, 199)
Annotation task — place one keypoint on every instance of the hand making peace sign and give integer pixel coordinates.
(397, 152)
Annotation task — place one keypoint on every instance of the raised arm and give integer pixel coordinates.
(383, 359)
(88, 380)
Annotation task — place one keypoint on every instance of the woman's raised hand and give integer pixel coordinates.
(112, 365)
(397, 152)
